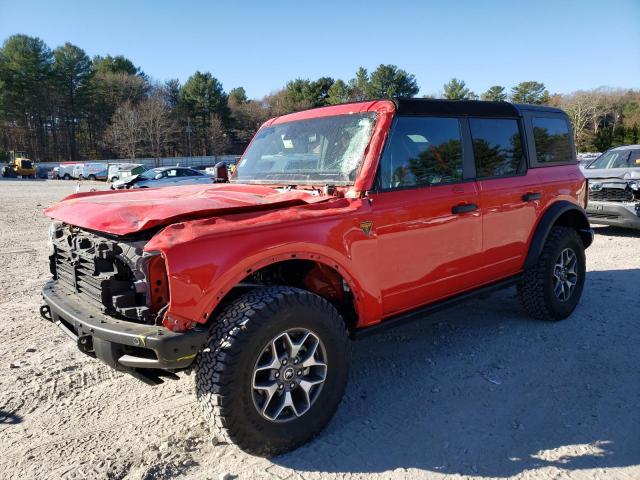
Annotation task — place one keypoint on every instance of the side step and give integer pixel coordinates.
(434, 307)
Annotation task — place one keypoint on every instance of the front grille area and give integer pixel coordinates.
(100, 271)
(611, 195)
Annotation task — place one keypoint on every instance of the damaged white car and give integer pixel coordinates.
(614, 187)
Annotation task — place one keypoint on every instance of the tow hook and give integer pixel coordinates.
(85, 344)
(45, 312)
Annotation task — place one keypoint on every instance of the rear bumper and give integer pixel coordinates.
(143, 350)
(619, 214)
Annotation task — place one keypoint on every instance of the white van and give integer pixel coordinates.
(94, 171)
(65, 171)
(77, 171)
(121, 171)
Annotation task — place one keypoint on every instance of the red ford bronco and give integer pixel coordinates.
(337, 221)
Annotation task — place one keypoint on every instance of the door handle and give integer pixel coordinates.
(531, 196)
(465, 208)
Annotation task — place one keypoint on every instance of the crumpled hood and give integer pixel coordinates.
(123, 212)
(624, 174)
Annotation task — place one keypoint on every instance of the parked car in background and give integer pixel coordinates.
(121, 171)
(94, 171)
(163, 176)
(614, 187)
(587, 157)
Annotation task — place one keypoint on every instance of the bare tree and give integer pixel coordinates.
(581, 108)
(156, 124)
(125, 133)
(216, 135)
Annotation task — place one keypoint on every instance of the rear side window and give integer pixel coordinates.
(497, 147)
(552, 140)
(422, 151)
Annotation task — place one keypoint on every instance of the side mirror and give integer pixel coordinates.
(221, 173)
(158, 176)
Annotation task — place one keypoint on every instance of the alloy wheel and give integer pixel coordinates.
(565, 274)
(288, 375)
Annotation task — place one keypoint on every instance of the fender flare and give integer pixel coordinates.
(365, 305)
(576, 217)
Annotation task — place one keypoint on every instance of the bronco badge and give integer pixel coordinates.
(366, 226)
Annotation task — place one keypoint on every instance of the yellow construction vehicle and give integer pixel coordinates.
(19, 166)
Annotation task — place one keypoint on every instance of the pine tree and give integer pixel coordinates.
(530, 92)
(495, 93)
(457, 90)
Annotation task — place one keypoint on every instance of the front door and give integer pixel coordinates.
(425, 214)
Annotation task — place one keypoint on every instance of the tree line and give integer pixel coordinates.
(601, 118)
(62, 105)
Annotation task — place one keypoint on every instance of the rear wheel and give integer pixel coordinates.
(275, 369)
(67, 176)
(92, 178)
(551, 289)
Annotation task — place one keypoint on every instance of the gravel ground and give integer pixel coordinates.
(478, 391)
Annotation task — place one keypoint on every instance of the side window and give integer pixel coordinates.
(634, 159)
(422, 151)
(497, 147)
(171, 173)
(552, 140)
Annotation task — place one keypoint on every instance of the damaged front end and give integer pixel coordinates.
(112, 275)
(110, 296)
(615, 201)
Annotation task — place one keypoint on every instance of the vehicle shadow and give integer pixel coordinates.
(482, 390)
(616, 231)
(9, 418)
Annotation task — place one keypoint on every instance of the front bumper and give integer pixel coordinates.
(145, 351)
(619, 214)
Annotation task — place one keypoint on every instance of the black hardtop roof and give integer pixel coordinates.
(429, 106)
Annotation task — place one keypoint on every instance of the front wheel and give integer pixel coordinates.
(551, 289)
(274, 370)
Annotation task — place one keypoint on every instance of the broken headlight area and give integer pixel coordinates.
(614, 191)
(115, 275)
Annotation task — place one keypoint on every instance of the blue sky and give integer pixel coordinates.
(568, 45)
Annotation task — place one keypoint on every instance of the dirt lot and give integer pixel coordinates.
(479, 391)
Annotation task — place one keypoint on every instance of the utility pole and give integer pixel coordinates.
(189, 130)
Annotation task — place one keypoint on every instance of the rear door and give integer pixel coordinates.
(424, 214)
(510, 194)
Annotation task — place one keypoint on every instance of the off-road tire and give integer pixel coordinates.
(225, 367)
(535, 290)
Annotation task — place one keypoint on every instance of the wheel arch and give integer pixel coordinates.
(562, 213)
(319, 274)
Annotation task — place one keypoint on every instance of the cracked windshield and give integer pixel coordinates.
(326, 150)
